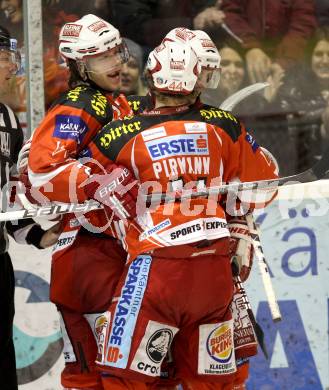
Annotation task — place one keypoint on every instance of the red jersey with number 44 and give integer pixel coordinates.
(170, 148)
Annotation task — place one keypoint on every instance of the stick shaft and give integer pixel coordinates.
(264, 271)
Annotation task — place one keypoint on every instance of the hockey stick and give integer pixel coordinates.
(257, 328)
(50, 210)
(229, 103)
(317, 172)
(264, 271)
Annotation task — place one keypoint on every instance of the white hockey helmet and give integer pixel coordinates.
(174, 67)
(88, 38)
(209, 57)
(205, 50)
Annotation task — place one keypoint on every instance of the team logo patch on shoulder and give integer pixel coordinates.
(196, 127)
(70, 127)
(252, 142)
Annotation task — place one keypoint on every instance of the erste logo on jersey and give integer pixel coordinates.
(70, 127)
(178, 145)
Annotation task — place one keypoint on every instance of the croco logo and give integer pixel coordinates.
(38, 344)
(114, 133)
(74, 94)
(99, 103)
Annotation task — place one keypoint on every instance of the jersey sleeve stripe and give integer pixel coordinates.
(39, 179)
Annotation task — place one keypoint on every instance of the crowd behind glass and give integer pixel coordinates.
(282, 42)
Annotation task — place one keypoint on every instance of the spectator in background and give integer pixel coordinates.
(232, 79)
(13, 18)
(13, 10)
(259, 111)
(131, 83)
(147, 21)
(322, 12)
(305, 98)
(272, 31)
(55, 72)
(100, 8)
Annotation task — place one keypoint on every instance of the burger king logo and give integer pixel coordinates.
(99, 324)
(220, 344)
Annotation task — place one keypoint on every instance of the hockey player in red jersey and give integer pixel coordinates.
(177, 259)
(85, 265)
(241, 249)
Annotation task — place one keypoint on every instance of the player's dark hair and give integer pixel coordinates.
(75, 77)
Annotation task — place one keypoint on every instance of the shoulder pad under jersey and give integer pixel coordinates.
(221, 118)
(139, 103)
(93, 101)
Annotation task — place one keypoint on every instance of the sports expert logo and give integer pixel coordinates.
(219, 344)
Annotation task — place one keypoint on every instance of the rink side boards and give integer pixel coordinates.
(295, 240)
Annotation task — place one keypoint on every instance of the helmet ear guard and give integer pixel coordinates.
(205, 50)
(209, 57)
